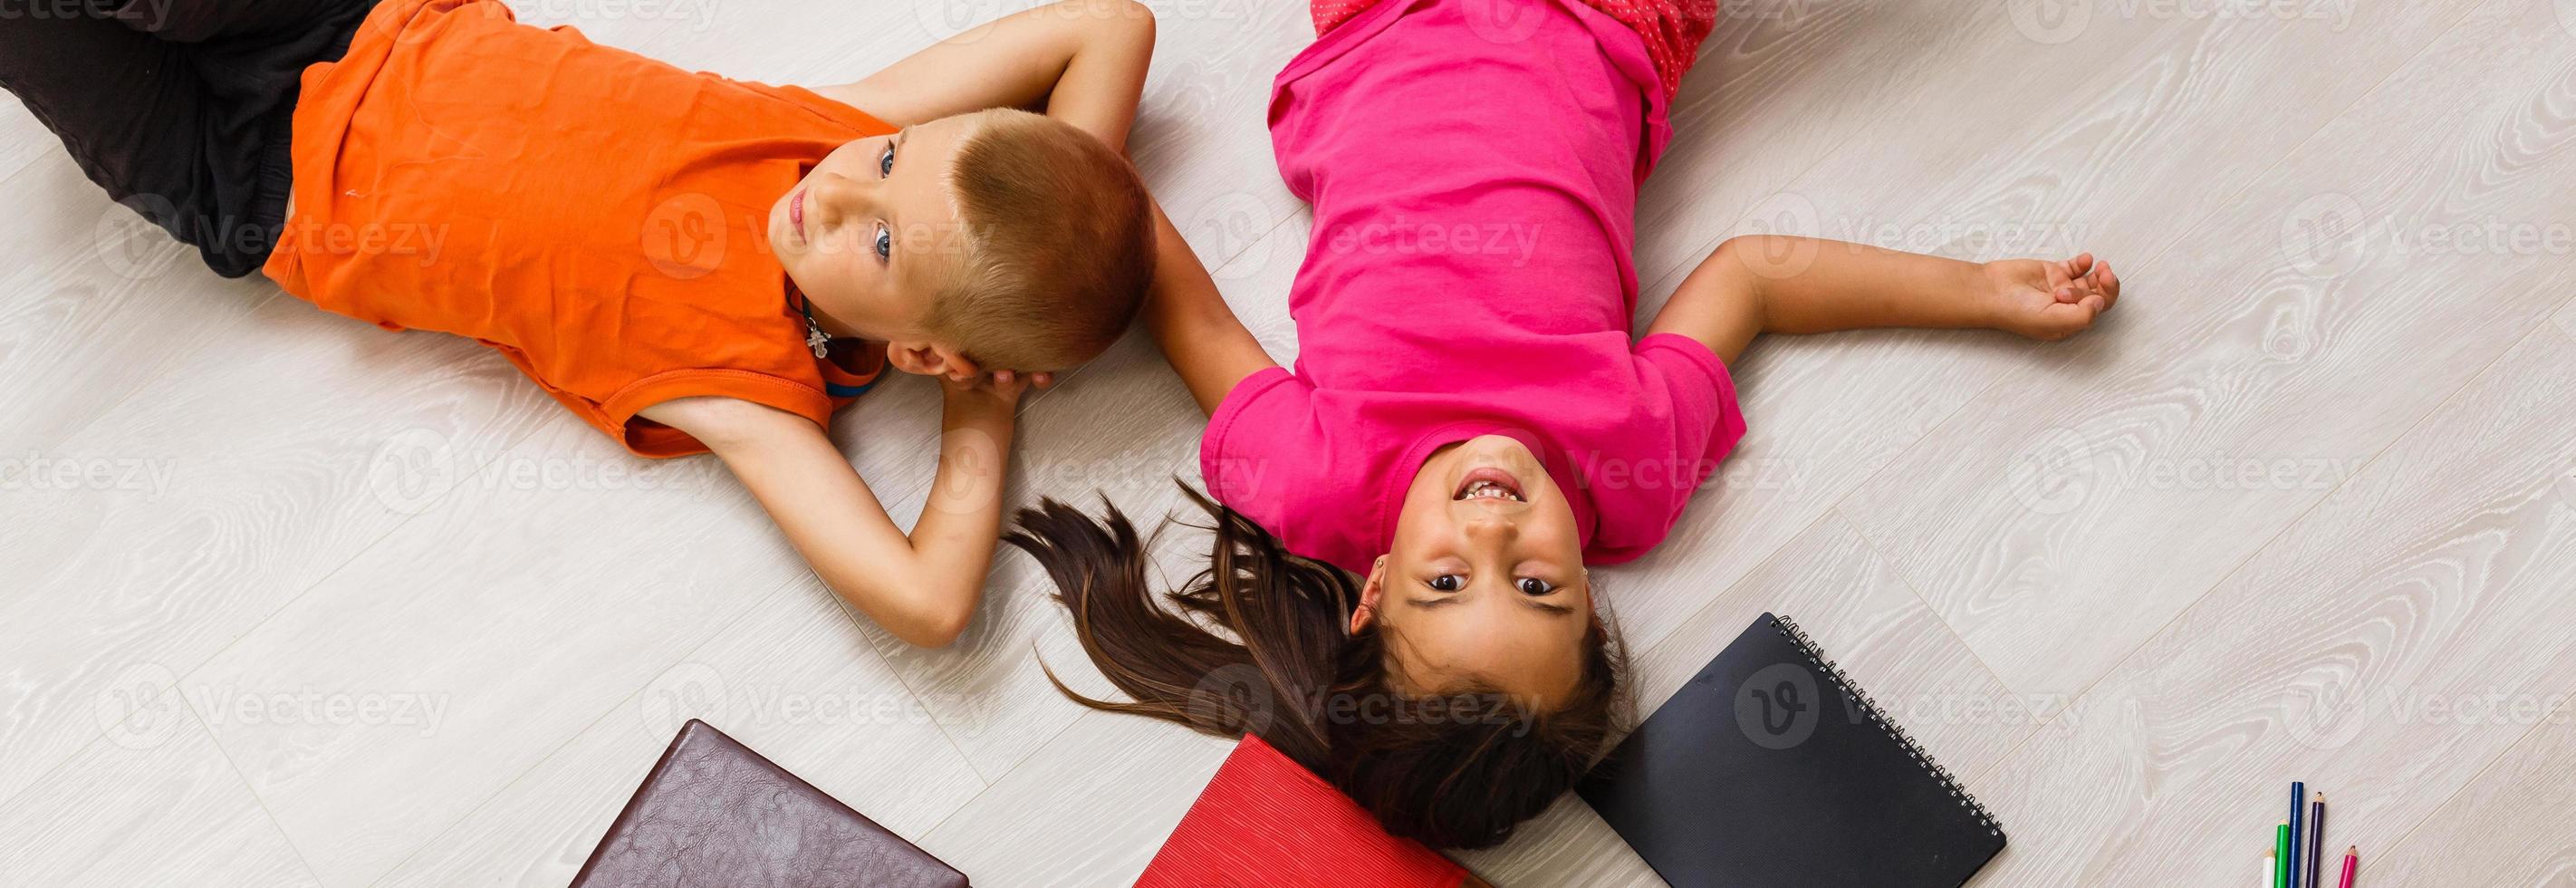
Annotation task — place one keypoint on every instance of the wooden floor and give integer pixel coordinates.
(287, 599)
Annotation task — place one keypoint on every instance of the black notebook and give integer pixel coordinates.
(1769, 768)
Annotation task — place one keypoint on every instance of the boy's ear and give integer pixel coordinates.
(930, 359)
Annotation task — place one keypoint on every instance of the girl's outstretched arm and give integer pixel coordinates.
(1190, 322)
(1079, 61)
(1781, 284)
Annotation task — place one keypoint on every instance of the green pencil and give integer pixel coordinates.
(2281, 852)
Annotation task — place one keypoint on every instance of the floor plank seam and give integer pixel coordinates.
(1013, 769)
(248, 789)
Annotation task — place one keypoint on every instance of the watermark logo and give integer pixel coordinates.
(1784, 213)
(2323, 717)
(949, 20)
(1778, 707)
(1504, 21)
(1233, 230)
(682, 692)
(412, 470)
(684, 235)
(2325, 234)
(140, 707)
(2051, 21)
(130, 238)
(2053, 474)
(1237, 688)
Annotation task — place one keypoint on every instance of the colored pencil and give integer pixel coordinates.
(2281, 852)
(2351, 862)
(2271, 868)
(2315, 864)
(2298, 812)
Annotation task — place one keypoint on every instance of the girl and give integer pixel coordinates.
(1408, 513)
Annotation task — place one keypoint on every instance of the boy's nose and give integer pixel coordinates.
(835, 196)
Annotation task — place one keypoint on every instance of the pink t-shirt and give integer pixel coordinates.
(1474, 194)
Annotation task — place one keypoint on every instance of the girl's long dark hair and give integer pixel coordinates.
(1458, 768)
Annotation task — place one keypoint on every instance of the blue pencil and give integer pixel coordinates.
(2298, 811)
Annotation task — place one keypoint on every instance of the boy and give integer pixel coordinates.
(689, 263)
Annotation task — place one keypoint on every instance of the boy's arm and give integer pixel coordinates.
(922, 586)
(1081, 61)
(1782, 284)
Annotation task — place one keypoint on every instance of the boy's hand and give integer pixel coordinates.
(998, 390)
(2050, 300)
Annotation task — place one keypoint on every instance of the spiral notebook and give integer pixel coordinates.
(1770, 768)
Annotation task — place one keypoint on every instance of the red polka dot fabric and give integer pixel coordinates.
(1672, 29)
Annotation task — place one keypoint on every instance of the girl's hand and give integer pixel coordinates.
(2050, 300)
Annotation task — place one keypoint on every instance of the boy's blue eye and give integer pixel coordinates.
(885, 243)
(885, 162)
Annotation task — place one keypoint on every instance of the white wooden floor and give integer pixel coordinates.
(286, 599)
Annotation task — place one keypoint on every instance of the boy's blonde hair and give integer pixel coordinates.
(1059, 244)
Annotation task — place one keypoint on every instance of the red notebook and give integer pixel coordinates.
(1266, 821)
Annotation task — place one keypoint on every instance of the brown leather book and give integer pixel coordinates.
(714, 814)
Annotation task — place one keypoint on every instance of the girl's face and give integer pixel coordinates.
(1484, 582)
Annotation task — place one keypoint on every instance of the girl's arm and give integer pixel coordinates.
(921, 586)
(1080, 61)
(1782, 284)
(1192, 325)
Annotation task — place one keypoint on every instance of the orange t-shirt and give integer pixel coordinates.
(598, 217)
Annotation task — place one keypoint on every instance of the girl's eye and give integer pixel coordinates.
(885, 163)
(1447, 583)
(1533, 586)
(885, 243)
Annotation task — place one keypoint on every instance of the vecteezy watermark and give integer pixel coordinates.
(2330, 234)
(1240, 694)
(1596, 470)
(143, 705)
(138, 708)
(420, 712)
(1780, 706)
(2060, 470)
(2058, 21)
(1405, 237)
(699, 13)
(698, 690)
(38, 471)
(416, 467)
(1233, 232)
(2331, 716)
(958, 20)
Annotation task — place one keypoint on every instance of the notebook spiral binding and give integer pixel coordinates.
(1869, 708)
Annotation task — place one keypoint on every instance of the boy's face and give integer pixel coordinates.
(1484, 581)
(870, 234)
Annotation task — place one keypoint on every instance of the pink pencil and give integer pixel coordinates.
(2351, 862)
